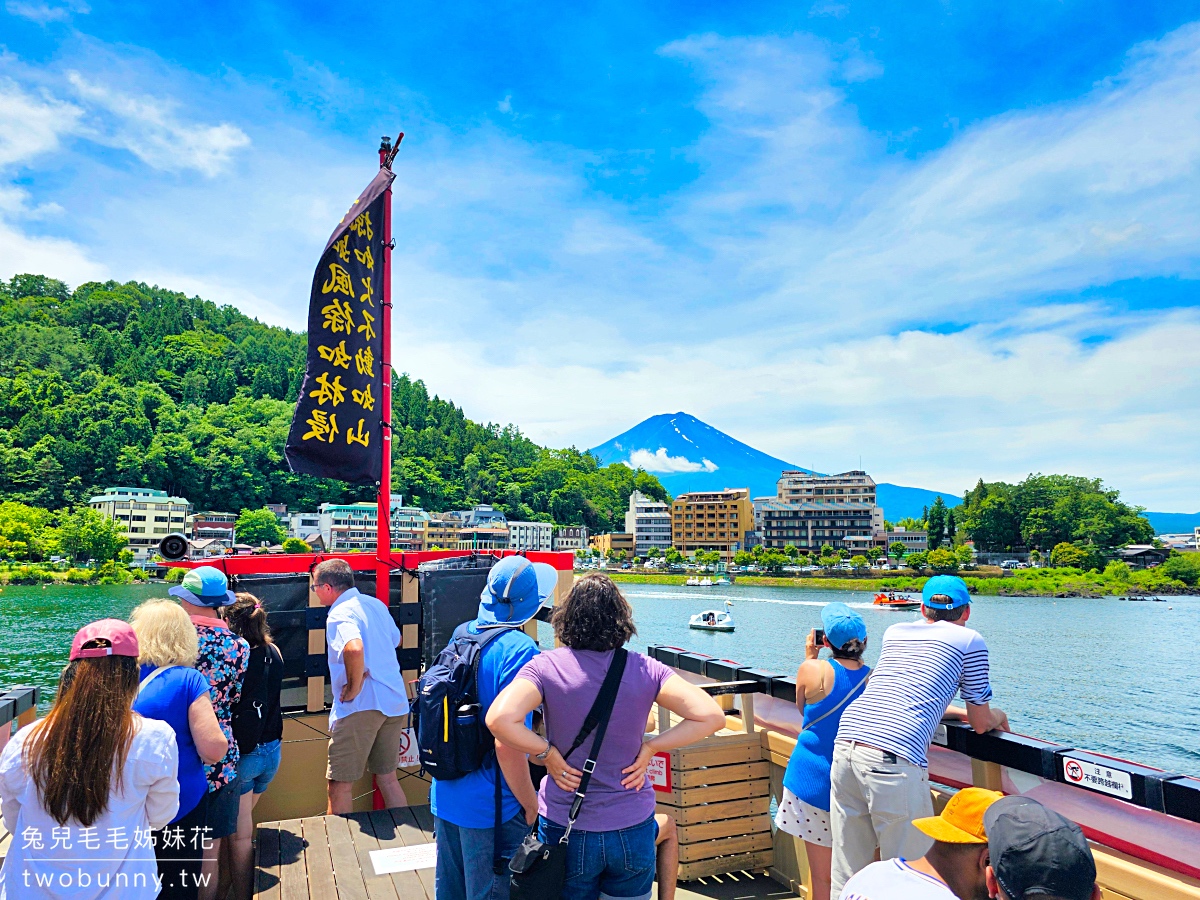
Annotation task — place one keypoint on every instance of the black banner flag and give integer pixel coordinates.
(337, 429)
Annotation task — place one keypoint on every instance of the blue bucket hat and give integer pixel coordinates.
(204, 586)
(948, 586)
(842, 624)
(516, 589)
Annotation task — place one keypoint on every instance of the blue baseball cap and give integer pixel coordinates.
(204, 586)
(516, 589)
(947, 586)
(842, 624)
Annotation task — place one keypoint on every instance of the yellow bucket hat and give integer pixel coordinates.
(961, 822)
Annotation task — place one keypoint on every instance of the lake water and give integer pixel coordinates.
(1104, 675)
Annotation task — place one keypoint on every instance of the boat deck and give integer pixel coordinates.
(328, 858)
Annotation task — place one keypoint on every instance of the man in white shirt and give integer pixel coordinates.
(370, 704)
(955, 868)
(880, 776)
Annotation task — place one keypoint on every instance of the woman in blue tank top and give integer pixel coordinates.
(823, 691)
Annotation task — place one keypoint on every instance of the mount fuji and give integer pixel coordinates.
(689, 455)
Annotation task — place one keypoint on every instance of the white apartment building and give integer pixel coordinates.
(303, 525)
(537, 536)
(571, 538)
(649, 521)
(145, 515)
(353, 526)
(849, 487)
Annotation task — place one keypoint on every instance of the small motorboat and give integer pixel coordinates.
(713, 619)
(892, 600)
(722, 581)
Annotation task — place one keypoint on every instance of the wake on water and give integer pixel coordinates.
(721, 598)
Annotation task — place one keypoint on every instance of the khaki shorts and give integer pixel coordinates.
(365, 740)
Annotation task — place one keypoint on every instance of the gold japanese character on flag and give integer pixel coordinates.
(339, 281)
(342, 248)
(336, 355)
(338, 317)
(362, 225)
(364, 361)
(363, 398)
(323, 426)
(329, 390)
(366, 326)
(365, 257)
(363, 437)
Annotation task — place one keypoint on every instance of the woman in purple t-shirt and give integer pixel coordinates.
(611, 846)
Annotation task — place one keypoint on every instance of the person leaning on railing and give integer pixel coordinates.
(612, 842)
(82, 789)
(172, 691)
(880, 777)
(823, 689)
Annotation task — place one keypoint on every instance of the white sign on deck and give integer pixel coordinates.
(410, 757)
(1098, 778)
(404, 859)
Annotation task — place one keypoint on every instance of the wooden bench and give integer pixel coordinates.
(328, 857)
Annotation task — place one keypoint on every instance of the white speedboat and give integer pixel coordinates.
(713, 619)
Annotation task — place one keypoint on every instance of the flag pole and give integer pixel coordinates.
(383, 539)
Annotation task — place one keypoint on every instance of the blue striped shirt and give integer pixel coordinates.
(922, 666)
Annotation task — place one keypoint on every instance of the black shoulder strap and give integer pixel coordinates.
(597, 718)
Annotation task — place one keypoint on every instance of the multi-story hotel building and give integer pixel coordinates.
(806, 487)
(712, 520)
(571, 538)
(811, 511)
(441, 531)
(144, 515)
(649, 521)
(354, 526)
(536, 536)
(615, 542)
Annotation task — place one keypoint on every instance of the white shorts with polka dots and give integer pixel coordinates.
(797, 818)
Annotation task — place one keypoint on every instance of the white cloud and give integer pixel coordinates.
(31, 125)
(662, 463)
(45, 13)
(149, 128)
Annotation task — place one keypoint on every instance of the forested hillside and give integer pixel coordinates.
(135, 385)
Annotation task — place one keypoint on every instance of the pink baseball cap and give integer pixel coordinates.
(120, 636)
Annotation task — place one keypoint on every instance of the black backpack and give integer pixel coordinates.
(451, 737)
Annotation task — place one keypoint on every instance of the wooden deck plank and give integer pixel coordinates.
(414, 825)
(346, 873)
(321, 884)
(266, 875)
(407, 884)
(293, 875)
(362, 832)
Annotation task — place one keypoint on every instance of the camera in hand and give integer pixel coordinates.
(819, 637)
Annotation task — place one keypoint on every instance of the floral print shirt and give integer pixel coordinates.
(223, 660)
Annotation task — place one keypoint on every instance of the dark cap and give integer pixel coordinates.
(1036, 851)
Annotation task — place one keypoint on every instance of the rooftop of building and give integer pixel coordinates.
(724, 494)
(834, 506)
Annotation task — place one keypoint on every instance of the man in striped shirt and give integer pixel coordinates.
(880, 771)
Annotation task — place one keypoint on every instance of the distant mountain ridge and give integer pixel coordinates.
(690, 455)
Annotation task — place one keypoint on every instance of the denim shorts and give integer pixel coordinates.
(223, 809)
(607, 864)
(258, 767)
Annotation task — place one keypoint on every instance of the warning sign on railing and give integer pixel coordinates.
(410, 757)
(659, 771)
(1099, 778)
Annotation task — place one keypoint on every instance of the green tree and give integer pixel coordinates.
(1184, 566)
(743, 558)
(908, 523)
(295, 545)
(874, 554)
(897, 550)
(1066, 554)
(256, 526)
(964, 555)
(918, 560)
(26, 532)
(935, 515)
(773, 560)
(673, 556)
(826, 550)
(859, 562)
(942, 560)
(951, 527)
(843, 553)
(653, 553)
(87, 533)
(791, 551)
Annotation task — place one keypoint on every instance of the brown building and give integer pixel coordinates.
(441, 531)
(712, 520)
(617, 541)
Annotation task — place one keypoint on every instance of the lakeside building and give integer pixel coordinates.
(810, 526)
(712, 520)
(354, 526)
(144, 515)
(441, 531)
(483, 537)
(1143, 556)
(482, 515)
(913, 541)
(649, 521)
(535, 536)
(855, 486)
(571, 538)
(615, 541)
(214, 525)
(306, 526)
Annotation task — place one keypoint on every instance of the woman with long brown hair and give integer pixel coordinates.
(82, 789)
(257, 727)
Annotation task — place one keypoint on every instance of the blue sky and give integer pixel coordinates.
(957, 240)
